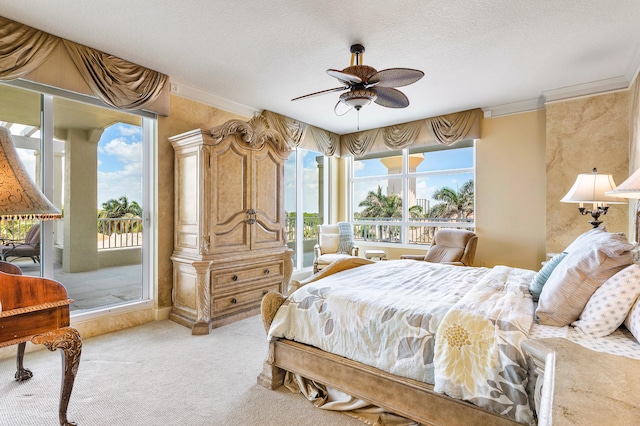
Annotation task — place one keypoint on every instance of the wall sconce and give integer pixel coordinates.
(20, 198)
(630, 188)
(592, 188)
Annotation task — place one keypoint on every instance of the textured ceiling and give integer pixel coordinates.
(245, 56)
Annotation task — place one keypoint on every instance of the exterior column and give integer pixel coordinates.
(80, 201)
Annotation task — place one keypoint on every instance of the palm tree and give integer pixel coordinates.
(121, 208)
(379, 205)
(454, 204)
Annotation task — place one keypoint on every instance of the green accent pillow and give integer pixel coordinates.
(543, 275)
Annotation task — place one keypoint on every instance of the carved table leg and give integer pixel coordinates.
(68, 340)
(22, 373)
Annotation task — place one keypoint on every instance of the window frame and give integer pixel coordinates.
(404, 223)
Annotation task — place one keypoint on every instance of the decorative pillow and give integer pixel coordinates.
(610, 304)
(579, 275)
(632, 322)
(345, 240)
(539, 279)
(328, 243)
(585, 239)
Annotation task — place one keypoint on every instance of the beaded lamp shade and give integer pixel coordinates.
(20, 198)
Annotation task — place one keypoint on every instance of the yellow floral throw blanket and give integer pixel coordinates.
(458, 328)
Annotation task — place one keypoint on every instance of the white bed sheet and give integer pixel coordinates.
(621, 342)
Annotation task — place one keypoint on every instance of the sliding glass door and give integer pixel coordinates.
(91, 162)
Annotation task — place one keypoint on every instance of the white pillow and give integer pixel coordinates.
(611, 303)
(578, 276)
(329, 243)
(632, 322)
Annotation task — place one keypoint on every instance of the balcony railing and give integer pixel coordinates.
(112, 232)
(383, 230)
(119, 232)
(309, 231)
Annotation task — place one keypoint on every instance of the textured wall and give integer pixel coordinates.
(584, 133)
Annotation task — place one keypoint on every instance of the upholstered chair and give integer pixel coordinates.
(30, 247)
(334, 242)
(451, 246)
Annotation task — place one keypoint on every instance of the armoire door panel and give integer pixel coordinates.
(231, 238)
(268, 179)
(230, 171)
(264, 237)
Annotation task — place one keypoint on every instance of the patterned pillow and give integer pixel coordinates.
(578, 276)
(345, 240)
(632, 322)
(610, 304)
(535, 287)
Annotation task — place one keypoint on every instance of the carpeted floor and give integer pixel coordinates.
(159, 374)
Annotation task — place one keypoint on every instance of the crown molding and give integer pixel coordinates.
(634, 67)
(513, 108)
(211, 100)
(592, 88)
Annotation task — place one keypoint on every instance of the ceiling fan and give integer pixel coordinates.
(364, 84)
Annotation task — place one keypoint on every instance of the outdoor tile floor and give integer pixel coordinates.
(104, 287)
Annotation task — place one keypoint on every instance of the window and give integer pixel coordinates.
(305, 203)
(403, 197)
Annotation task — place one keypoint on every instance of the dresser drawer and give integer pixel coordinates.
(234, 277)
(242, 299)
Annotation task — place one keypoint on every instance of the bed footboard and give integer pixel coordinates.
(406, 397)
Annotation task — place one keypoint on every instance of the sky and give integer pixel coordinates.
(120, 163)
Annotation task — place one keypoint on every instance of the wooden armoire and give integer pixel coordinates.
(229, 241)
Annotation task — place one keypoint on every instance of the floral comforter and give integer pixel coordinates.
(458, 328)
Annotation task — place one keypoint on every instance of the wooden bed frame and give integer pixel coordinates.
(406, 397)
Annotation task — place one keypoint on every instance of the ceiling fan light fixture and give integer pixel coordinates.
(357, 98)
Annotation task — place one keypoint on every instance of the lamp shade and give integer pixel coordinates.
(592, 188)
(20, 198)
(630, 188)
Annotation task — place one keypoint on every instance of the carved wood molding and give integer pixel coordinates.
(255, 133)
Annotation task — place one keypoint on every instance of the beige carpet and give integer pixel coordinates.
(159, 374)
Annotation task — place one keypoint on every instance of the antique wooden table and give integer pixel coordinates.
(37, 309)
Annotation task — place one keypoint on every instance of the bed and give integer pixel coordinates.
(442, 344)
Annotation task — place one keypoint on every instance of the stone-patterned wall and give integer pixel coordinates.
(584, 133)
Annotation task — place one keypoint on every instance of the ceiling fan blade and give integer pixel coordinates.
(391, 98)
(322, 92)
(395, 77)
(344, 77)
(341, 108)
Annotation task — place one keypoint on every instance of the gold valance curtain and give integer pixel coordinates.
(295, 134)
(118, 83)
(444, 130)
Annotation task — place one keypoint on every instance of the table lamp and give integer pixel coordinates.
(20, 198)
(592, 188)
(630, 188)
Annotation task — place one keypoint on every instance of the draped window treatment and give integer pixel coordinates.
(294, 132)
(444, 130)
(450, 128)
(118, 83)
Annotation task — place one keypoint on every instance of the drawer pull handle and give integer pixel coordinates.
(234, 301)
(266, 272)
(234, 278)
